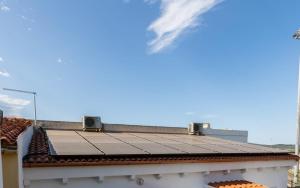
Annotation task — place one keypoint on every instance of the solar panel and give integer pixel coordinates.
(204, 147)
(95, 143)
(151, 147)
(110, 145)
(70, 143)
(221, 145)
(175, 145)
(249, 148)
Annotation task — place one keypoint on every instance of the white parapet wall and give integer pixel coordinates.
(273, 174)
(234, 135)
(23, 143)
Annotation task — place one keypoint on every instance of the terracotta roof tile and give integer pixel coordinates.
(11, 128)
(236, 184)
(39, 156)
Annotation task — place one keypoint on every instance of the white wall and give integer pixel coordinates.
(23, 143)
(270, 173)
(270, 178)
(166, 181)
(234, 135)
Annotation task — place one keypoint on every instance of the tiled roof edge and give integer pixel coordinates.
(150, 160)
(236, 184)
(11, 128)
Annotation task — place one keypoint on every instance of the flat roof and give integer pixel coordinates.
(54, 148)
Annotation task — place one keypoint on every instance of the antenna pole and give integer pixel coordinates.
(298, 115)
(296, 169)
(34, 99)
(296, 35)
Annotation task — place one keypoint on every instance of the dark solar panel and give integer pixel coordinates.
(95, 143)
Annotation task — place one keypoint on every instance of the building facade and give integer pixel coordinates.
(272, 174)
(15, 134)
(61, 154)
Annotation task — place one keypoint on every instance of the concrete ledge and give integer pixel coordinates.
(144, 129)
(234, 135)
(59, 125)
(65, 125)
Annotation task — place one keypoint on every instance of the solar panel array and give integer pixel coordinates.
(70, 143)
(95, 143)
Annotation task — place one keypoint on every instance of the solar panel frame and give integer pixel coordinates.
(182, 147)
(227, 146)
(70, 143)
(95, 143)
(250, 148)
(111, 145)
(147, 145)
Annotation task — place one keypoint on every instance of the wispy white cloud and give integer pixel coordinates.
(190, 113)
(176, 17)
(4, 8)
(1, 59)
(18, 103)
(59, 60)
(4, 73)
(13, 106)
(27, 19)
(11, 111)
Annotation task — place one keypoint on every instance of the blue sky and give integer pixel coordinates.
(160, 62)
